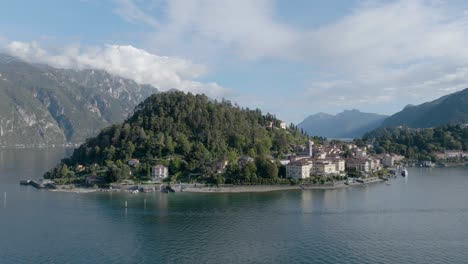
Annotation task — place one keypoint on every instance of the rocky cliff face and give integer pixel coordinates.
(40, 105)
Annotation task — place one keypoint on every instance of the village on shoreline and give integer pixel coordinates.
(315, 166)
(165, 145)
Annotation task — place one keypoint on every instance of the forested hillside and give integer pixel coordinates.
(189, 133)
(419, 144)
(449, 109)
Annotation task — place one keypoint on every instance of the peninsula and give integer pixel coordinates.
(175, 137)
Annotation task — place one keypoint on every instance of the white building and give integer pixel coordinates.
(362, 165)
(299, 169)
(453, 154)
(283, 125)
(321, 155)
(375, 164)
(324, 167)
(398, 158)
(340, 165)
(360, 153)
(388, 161)
(159, 172)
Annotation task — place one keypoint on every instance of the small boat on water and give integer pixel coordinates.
(404, 172)
(167, 189)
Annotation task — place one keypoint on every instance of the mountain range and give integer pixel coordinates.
(449, 109)
(347, 124)
(42, 105)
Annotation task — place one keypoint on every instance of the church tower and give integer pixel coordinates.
(310, 148)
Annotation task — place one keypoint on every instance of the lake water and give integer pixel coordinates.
(421, 219)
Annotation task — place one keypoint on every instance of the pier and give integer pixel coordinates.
(41, 184)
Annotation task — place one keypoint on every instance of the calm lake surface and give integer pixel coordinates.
(421, 219)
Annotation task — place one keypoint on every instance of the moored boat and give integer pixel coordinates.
(404, 172)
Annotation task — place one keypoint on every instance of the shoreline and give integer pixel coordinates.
(193, 188)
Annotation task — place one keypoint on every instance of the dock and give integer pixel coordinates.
(41, 184)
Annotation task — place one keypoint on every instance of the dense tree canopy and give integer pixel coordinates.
(419, 144)
(193, 130)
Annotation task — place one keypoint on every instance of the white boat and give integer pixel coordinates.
(404, 172)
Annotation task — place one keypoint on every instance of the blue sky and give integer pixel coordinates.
(291, 58)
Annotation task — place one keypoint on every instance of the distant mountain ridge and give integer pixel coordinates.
(448, 109)
(347, 124)
(42, 105)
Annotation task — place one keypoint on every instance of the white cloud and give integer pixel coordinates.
(133, 14)
(383, 53)
(389, 53)
(164, 73)
(246, 27)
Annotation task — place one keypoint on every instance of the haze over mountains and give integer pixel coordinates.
(45, 105)
(42, 105)
(452, 108)
(347, 124)
(449, 109)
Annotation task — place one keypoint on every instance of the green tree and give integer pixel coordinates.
(64, 171)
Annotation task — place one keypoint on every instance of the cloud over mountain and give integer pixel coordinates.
(162, 72)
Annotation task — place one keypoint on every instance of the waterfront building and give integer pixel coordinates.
(388, 160)
(398, 158)
(324, 167)
(361, 165)
(375, 164)
(299, 169)
(340, 164)
(159, 172)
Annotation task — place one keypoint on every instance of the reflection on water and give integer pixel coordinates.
(416, 220)
(16, 164)
(307, 202)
